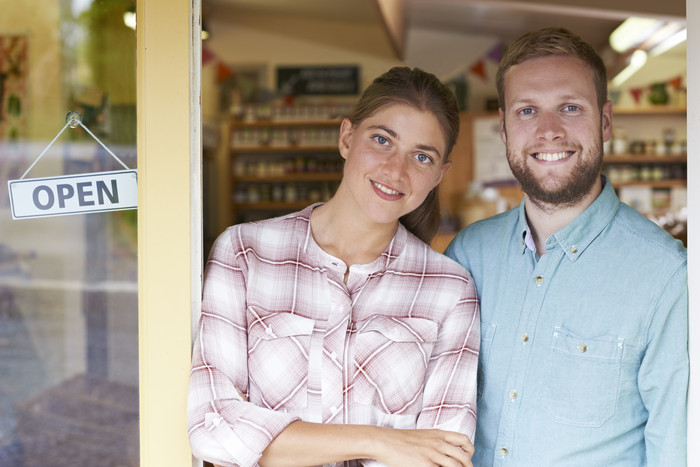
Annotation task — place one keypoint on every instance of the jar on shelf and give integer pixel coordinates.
(620, 144)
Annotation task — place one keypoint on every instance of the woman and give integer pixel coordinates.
(335, 334)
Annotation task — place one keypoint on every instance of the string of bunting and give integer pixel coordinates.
(223, 71)
(495, 54)
(676, 84)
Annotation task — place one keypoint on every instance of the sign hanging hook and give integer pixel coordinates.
(73, 120)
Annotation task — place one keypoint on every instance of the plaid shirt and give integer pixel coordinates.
(395, 346)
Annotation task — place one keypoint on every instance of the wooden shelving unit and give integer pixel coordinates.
(269, 167)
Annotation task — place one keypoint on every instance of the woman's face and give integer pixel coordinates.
(394, 159)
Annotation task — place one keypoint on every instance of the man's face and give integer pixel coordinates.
(552, 129)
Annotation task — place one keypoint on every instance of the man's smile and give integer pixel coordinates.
(552, 156)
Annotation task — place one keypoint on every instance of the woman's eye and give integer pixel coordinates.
(381, 140)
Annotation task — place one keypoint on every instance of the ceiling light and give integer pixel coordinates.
(130, 19)
(632, 32)
(669, 43)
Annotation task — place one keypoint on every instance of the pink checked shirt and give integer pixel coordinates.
(396, 346)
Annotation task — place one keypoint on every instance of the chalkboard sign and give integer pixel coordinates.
(318, 80)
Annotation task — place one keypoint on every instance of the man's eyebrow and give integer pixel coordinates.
(533, 101)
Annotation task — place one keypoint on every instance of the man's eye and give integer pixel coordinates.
(423, 158)
(381, 140)
(526, 112)
(572, 108)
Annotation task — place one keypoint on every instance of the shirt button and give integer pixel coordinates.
(574, 250)
(524, 337)
(513, 395)
(582, 348)
(504, 452)
(539, 280)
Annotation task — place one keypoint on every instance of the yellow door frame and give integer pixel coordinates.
(168, 62)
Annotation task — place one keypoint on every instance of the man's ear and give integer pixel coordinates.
(345, 138)
(502, 120)
(606, 120)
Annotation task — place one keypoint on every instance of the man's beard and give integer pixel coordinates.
(570, 189)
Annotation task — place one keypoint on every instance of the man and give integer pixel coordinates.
(584, 302)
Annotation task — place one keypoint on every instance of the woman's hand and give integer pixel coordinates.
(424, 448)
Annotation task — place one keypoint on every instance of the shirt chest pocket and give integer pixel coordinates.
(390, 360)
(278, 359)
(583, 378)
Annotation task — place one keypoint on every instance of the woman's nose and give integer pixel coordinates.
(395, 165)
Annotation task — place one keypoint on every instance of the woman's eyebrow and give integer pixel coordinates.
(391, 132)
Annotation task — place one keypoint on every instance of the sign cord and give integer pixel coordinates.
(73, 120)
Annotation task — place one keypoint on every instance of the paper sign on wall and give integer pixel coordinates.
(73, 194)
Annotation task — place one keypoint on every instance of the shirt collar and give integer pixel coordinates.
(392, 251)
(575, 237)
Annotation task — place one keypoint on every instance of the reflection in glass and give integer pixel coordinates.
(68, 285)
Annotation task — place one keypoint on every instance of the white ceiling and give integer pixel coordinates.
(593, 20)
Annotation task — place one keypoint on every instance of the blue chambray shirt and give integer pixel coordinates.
(584, 358)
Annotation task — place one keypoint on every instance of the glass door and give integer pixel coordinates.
(69, 364)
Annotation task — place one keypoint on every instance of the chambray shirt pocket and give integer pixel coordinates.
(278, 358)
(583, 378)
(488, 332)
(390, 361)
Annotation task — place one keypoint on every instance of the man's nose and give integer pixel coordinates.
(550, 127)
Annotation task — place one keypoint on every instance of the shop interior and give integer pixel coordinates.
(270, 147)
(277, 77)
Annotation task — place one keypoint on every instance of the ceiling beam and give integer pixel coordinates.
(393, 16)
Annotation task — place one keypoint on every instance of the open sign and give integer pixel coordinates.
(73, 194)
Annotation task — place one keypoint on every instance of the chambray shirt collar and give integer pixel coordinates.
(578, 234)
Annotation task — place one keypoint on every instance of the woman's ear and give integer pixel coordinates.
(345, 138)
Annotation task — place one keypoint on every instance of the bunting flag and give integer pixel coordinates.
(496, 53)
(676, 82)
(636, 94)
(223, 73)
(207, 55)
(478, 69)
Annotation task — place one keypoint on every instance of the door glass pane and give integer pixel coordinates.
(68, 285)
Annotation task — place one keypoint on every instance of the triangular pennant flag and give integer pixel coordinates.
(676, 83)
(223, 73)
(207, 55)
(636, 94)
(496, 53)
(478, 69)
